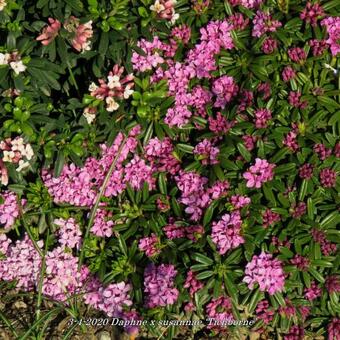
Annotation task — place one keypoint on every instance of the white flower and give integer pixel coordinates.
(8, 156)
(22, 165)
(127, 92)
(28, 153)
(3, 4)
(157, 7)
(112, 105)
(174, 18)
(113, 81)
(90, 117)
(4, 57)
(17, 66)
(93, 87)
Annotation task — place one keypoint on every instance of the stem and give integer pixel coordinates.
(28, 230)
(41, 278)
(9, 325)
(95, 207)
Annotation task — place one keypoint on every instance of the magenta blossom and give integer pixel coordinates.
(259, 173)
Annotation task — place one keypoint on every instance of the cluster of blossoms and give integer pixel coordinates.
(226, 232)
(333, 29)
(9, 209)
(17, 152)
(149, 245)
(267, 272)
(259, 173)
(219, 310)
(192, 283)
(165, 9)
(69, 233)
(80, 33)
(327, 247)
(49, 32)
(194, 193)
(206, 152)
(159, 285)
(200, 61)
(175, 230)
(113, 89)
(13, 60)
(62, 278)
(264, 23)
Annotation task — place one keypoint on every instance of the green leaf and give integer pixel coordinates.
(255, 299)
(244, 152)
(59, 164)
(202, 259)
(316, 275)
(162, 183)
(77, 5)
(209, 214)
(231, 289)
(204, 275)
(303, 189)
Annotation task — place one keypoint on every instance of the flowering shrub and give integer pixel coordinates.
(166, 160)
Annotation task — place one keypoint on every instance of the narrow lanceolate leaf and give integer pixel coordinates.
(202, 259)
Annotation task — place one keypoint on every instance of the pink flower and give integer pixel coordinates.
(137, 172)
(69, 232)
(206, 152)
(226, 233)
(81, 42)
(249, 142)
(269, 218)
(269, 45)
(318, 46)
(239, 201)
(265, 271)
(288, 73)
(225, 89)
(159, 285)
(333, 29)
(301, 262)
(263, 312)
(9, 209)
(322, 151)
(295, 333)
(181, 33)
(220, 125)
(290, 141)
(311, 13)
(297, 54)
(259, 173)
(263, 23)
(332, 283)
(306, 171)
(49, 32)
(149, 245)
(262, 116)
(294, 99)
(102, 224)
(328, 178)
(313, 292)
(219, 310)
(192, 283)
(333, 329)
(238, 21)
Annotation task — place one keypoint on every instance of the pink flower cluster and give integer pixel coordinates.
(328, 178)
(165, 9)
(259, 173)
(159, 285)
(333, 29)
(159, 154)
(22, 263)
(49, 32)
(69, 233)
(312, 12)
(224, 88)
(113, 89)
(192, 283)
(102, 224)
(199, 63)
(264, 23)
(80, 186)
(264, 312)
(9, 209)
(267, 272)
(327, 247)
(313, 292)
(262, 116)
(269, 218)
(81, 33)
(246, 3)
(226, 233)
(206, 152)
(219, 310)
(195, 195)
(239, 201)
(149, 245)
(177, 230)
